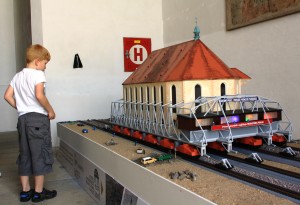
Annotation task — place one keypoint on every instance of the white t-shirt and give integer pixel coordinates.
(24, 84)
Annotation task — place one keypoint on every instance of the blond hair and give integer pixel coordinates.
(37, 52)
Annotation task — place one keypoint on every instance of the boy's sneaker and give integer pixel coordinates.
(26, 195)
(45, 194)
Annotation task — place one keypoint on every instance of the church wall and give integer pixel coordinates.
(185, 90)
(209, 88)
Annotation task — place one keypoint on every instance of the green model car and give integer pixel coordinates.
(163, 157)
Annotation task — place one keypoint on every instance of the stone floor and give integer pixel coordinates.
(69, 192)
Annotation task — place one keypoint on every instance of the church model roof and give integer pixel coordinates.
(191, 60)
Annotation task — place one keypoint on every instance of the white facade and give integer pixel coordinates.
(161, 92)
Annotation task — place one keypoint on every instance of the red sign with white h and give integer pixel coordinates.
(136, 50)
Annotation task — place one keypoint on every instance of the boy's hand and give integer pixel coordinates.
(40, 96)
(51, 115)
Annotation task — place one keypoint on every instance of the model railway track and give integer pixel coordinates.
(260, 165)
(278, 186)
(248, 176)
(295, 148)
(275, 151)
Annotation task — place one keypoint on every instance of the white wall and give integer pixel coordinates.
(94, 29)
(8, 115)
(269, 52)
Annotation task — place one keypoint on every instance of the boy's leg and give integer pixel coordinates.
(41, 193)
(26, 193)
(38, 128)
(23, 161)
(39, 183)
(40, 143)
(25, 183)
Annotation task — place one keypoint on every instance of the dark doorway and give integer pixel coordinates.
(223, 92)
(197, 94)
(174, 97)
(23, 35)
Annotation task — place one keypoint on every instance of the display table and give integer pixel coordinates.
(111, 178)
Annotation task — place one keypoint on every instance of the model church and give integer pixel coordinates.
(182, 73)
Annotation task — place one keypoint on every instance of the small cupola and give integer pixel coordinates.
(196, 31)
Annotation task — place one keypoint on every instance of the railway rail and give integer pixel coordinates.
(273, 184)
(279, 152)
(278, 186)
(295, 145)
(297, 149)
(261, 164)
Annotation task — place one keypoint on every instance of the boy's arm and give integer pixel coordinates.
(40, 96)
(9, 96)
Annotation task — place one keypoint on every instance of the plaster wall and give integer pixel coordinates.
(268, 51)
(8, 115)
(208, 88)
(179, 94)
(94, 29)
(167, 92)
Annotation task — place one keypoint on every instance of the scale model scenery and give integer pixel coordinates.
(186, 99)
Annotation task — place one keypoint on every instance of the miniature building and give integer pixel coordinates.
(184, 97)
(181, 73)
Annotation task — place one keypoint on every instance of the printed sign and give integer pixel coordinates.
(239, 99)
(136, 50)
(240, 124)
(99, 185)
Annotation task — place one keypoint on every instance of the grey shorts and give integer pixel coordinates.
(35, 146)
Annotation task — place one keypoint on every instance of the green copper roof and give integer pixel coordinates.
(196, 31)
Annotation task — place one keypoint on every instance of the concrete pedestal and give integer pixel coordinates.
(113, 179)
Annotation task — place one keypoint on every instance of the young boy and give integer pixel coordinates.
(26, 94)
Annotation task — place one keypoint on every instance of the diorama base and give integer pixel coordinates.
(110, 178)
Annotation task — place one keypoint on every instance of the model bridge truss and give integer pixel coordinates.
(161, 119)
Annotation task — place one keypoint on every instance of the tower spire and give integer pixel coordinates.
(196, 30)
